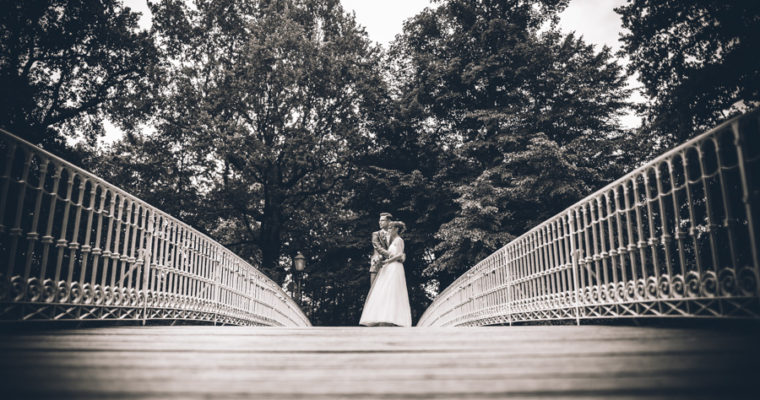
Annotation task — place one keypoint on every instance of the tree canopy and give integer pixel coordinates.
(517, 111)
(697, 59)
(67, 64)
(270, 101)
(277, 126)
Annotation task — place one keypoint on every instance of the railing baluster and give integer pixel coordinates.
(653, 241)
(107, 249)
(126, 221)
(6, 178)
(133, 256)
(15, 231)
(591, 280)
(693, 230)
(543, 265)
(86, 247)
(603, 255)
(728, 220)
(33, 235)
(611, 242)
(189, 274)
(601, 278)
(74, 243)
(567, 278)
(62, 242)
(666, 237)
(96, 251)
(680, 235)
(153, 244)
(575, 253)
(749, 198)
(47, 240)
(641, 201)
(162, 270)
(508, 280)
(172, 262)
(621, 243)
(559, 262)
(555, 262)
(141, 214)
(533, 265)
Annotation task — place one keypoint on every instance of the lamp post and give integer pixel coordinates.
(299, 262)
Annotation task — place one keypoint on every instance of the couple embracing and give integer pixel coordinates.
(387, 303)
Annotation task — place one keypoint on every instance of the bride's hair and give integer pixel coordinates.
(399, 225)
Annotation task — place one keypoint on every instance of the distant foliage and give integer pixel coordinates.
(698, 60)
(262, 110)
(521, 117)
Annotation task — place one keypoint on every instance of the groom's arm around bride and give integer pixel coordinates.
(380, 253)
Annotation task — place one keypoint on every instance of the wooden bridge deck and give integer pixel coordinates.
(459, 363)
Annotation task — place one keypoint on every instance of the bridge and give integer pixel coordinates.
(674, 242)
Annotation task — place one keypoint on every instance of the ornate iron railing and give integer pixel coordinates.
(74, 247)
(677, 237)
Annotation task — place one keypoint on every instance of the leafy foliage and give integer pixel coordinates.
(516, 111)
(280, 128)
(65, 64)
(274, 100)
(698, 60)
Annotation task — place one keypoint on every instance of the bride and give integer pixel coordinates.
(388, 302)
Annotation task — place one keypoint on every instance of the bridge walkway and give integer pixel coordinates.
(207, 362)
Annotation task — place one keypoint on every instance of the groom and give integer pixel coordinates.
(380, 243)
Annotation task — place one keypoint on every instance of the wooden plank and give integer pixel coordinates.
(532, 361)
(617, 363)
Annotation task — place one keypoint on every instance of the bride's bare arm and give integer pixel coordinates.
(401, 257)
(398, 257)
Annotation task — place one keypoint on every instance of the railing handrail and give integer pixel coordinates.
(156, 215)
(602, 192)
(102, 182)
(607, 187)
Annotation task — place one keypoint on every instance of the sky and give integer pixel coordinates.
(595, 20)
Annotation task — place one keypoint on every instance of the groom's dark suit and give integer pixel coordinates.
(380, 245)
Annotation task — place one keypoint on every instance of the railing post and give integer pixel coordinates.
(575, 254)
(509, 292)
(217, 283)
(147, 264)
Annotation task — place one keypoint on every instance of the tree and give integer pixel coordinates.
(275, 99)
(66, 64)
(518, 111)
(697, 60)
(155, 169)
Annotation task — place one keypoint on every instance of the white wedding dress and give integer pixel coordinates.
(388, 300)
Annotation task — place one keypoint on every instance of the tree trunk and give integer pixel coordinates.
(271, 230)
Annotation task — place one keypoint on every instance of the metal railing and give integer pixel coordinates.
(74, 247)
(677, 237)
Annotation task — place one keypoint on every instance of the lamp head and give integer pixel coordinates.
(300, 262)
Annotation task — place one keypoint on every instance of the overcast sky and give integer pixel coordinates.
(594, 19)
